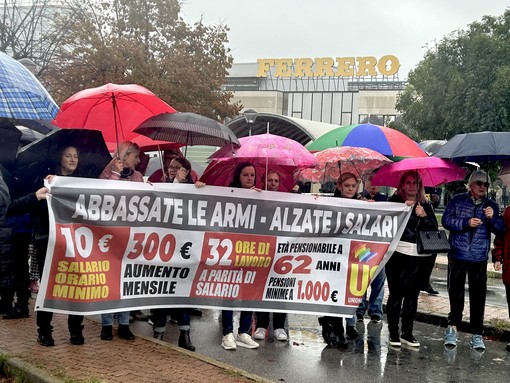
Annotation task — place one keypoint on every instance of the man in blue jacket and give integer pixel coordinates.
(471, 218)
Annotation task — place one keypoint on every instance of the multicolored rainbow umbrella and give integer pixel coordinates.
(387, 141)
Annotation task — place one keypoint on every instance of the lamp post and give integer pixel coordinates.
(250, 115)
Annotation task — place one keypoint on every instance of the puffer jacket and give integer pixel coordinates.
(467, 243)
(501, 251)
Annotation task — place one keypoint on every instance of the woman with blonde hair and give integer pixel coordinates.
(406, 269)
(121, 167)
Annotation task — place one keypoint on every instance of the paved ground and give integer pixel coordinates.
(147, 360)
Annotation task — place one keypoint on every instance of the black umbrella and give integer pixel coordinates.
(40, 158)
(9, 141)
(477, 147)
(188, 129)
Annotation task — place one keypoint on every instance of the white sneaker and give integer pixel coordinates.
(244, 340)
(260, 333)
(228, 342)
(280, 334)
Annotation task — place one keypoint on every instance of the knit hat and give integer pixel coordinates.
(479, 175)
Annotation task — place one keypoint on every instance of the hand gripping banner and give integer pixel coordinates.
(117, 245)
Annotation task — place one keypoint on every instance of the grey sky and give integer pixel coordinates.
(336, 28)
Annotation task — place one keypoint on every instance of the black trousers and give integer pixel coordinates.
(43, 318)
(477, 283)
(263, 320)
(22, 276)
(405, 275)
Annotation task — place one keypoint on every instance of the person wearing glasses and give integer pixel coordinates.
(470, 218)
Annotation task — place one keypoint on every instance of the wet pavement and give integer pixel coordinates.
(304, 358)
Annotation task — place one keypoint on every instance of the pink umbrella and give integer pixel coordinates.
(342, 159)
(221, 173)
(267, 152)
(433, 171)
(276, 150)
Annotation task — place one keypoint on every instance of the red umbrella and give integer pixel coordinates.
(116, 110)
(334, 161)
(433, 171)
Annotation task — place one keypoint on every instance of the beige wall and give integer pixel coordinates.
(261, 101)
(377, 102)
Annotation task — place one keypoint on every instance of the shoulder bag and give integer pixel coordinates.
(432, 241)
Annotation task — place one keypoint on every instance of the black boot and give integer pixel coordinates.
(185, 341)
(351, 332)
(333, 331)
(18, 311)
(77, 336)
(158, 335)
(124, 332)
(107, 332)
(45, 339)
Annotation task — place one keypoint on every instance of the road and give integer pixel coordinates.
(305, 358)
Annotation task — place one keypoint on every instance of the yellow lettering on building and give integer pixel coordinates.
(387, 65)
(366, 66)
(345, 66)
(283, 67)
(303, 67)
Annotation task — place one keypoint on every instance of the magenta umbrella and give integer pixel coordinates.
(332, 162)
(433, 171)
(274, 149)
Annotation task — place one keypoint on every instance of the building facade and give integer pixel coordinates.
(340, 91)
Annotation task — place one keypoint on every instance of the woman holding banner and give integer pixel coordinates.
(180, 168)
(121, 167)
(333, 327)
(272, 180)
(244, 177)
(66, 165)
(406, 269)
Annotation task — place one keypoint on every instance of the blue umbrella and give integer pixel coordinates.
(21, 95)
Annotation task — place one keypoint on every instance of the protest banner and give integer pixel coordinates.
(117, 245)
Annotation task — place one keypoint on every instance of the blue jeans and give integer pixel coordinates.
(376, 297)
(122, 317)
(227, 322)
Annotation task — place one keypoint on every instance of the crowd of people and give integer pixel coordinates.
(470, 218)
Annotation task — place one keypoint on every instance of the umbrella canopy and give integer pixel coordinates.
(387, 141)
(9, 140)
(431, 146)
(147, 144)
(333, 162)
(115, 110)
(221, 173)
(276, 150)
(40, 158)
(478, 147)
(188, 129)
(21, 94)
(432, 170)
(504, 173)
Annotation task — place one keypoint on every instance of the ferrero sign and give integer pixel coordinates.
(387, 65)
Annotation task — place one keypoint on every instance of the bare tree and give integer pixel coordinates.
(28, 29)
